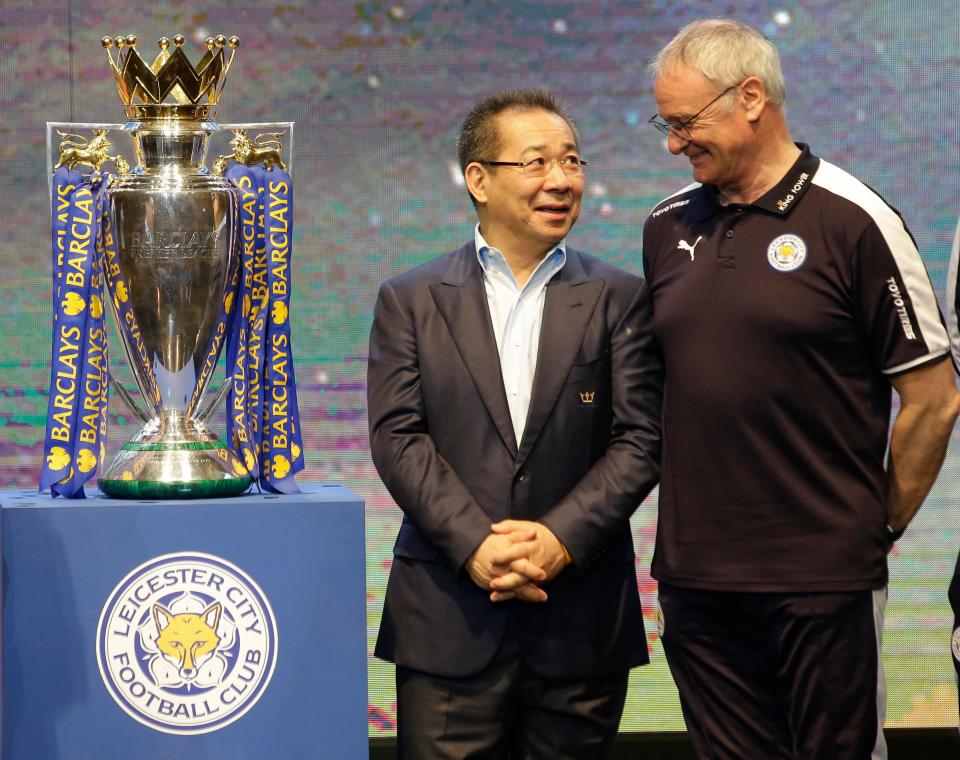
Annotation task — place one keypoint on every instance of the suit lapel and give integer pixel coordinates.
(569, 304)
(462, 302)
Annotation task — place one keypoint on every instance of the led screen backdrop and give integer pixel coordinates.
(378, 91)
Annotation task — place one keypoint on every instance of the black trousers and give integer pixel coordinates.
(955, 604)
(777, 676)
(507, 712)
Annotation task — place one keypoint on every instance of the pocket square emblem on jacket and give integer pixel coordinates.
(586, 397)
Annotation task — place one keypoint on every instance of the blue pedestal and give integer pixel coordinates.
(206, 630)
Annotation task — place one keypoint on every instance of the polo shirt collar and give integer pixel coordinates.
(786, 194)
(779, 200)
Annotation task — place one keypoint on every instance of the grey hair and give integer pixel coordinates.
(725, 52)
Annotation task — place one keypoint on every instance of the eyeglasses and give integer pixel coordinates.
(572, 166)
(682, 128)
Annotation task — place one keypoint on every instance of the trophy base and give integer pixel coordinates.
(162, 462)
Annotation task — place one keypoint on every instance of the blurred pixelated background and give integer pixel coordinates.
(378, 91)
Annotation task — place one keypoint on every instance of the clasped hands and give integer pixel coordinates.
(516, 559)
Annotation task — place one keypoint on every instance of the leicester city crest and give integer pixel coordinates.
(786, 252)
(187, 643)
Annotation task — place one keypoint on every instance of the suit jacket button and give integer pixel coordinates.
(520, 477)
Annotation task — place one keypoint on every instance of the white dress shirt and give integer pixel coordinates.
(517, 314)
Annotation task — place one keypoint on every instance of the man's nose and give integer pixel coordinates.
(676, 142)
(556, 178)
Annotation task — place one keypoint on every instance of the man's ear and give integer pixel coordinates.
(753, 95)
(476, 178)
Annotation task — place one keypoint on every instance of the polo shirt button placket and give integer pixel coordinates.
(725, 254)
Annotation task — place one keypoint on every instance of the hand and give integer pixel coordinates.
(495, 558)
(893, 535)
(547, 555)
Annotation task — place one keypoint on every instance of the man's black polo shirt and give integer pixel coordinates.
(780, 323)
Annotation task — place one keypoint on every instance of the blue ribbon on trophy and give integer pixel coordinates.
(65, 181)
(242, 418)
(266, 217)
(76, 413)
(92, 392)
(281, 420)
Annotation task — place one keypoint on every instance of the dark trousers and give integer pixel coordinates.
(955, 604)
(507, 712)
(777, 676)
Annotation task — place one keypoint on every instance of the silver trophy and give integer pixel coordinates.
(174, 274)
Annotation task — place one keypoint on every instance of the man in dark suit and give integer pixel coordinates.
(514, 406)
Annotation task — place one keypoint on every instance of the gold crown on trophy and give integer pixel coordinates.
(171, 80)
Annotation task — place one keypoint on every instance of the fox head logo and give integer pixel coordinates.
(187, 640)
(787, 252)
(197, 650)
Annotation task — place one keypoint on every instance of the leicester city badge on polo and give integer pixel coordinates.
(955, 645)
(167, 245)
(187, 643)
(787, 252)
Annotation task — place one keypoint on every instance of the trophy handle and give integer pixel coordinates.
(129, 402)
(210, 407)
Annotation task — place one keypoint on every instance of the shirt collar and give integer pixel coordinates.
(786, 194)
(779, 200)
(557, 257)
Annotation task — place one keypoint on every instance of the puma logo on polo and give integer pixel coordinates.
(683, 245)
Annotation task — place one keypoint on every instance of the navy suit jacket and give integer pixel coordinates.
(443, 442)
